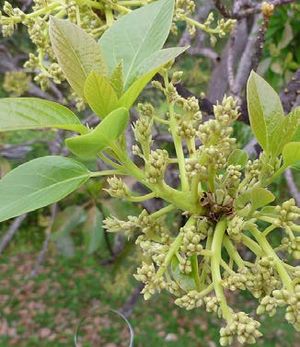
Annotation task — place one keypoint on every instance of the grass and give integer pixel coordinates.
(45, 311)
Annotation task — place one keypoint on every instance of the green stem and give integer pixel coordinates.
(178, 149)
(233, 253)
(252, 245)
(163, 211)
(173, 249)
(268, 250)
(181, 200)
(105, 173)
(195, 271)
(141, 198)
(216, 248)
(269, 229)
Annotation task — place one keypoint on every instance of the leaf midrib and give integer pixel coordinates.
(31, 195)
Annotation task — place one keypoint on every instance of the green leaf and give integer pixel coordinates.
(93, 230)
(100, 94)
(296, 112)
(284, 133)
(185, 282)
(116, 80)
(258, 197)
(66, 221)
(238, 157)
(39, 183)
(129, 97)
(135, 36)
(265, 109)
(76, 51)
(291, 153)
(89, 145)
(157, 60)
(34, 113)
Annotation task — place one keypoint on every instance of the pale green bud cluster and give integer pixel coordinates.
(293, 246)
(243, 327)
(235, 228)
(147, 275)
(268, 304)
(113, 225)
(156, 165)
(146, 110)
(212, 304)
(227, 111)
(235, 281)
(142, 130)
(191, 241)
(287, 213)
(193, 168)
(117, 188)
(16, 83)
(292, 301)
(191, 300)
(185, 265)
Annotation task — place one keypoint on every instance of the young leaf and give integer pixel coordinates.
(89, 145)
(154, 63)
(34, 113)
(291, 153)
(116, 80)
(185, 282)
(284, 133)
(100, 94)
(66, 221)
(76, 51)
(238, 157)
(296, 112)
(93, 230)
(137, 35)
(38, 183)
(258, 197)
(265, 109)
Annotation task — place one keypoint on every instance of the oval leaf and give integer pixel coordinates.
(89, 145)
(258, 197)
(265, 109)
(34, 113)
(100, 94)
(291, 153)
(39, 183)
(185, 282)
(93, 230)
(146, 71)
(137, 35)
(76, 51)
(238, 157)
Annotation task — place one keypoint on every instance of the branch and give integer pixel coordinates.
(292, 186)
(14, 227)
(291, 92)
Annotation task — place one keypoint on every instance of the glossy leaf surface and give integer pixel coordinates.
(100, 94)
(76, 51)
(135, 36)
(89, 145)
(34, 113)
(38, 183)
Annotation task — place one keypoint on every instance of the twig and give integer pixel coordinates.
(222, 9)
(257, 8)
(43, 252)
(291, 92)
(132, 300)
(292, 186)
(14, 227)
